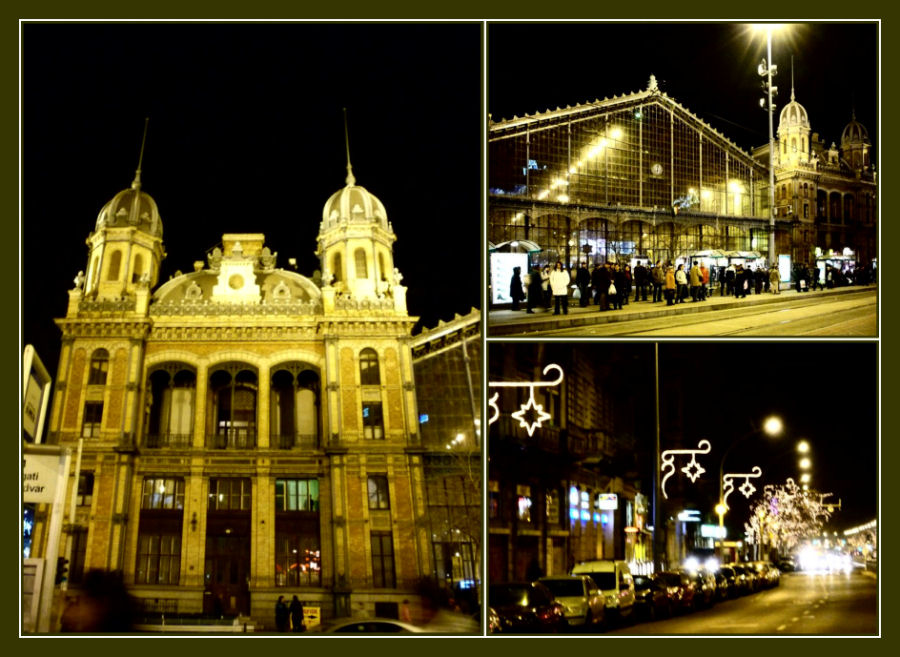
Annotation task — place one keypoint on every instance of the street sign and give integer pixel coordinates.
(40, 478)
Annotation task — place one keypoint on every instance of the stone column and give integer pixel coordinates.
(263, 401)
(200, 406)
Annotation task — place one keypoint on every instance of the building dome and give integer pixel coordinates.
(854, 133)
(793, 115)
(131, 207)
(353, 204)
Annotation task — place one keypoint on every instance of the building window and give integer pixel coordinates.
(138, 268)
(368, 368)
(234, 391)
(493, 499)
(553, 507)
(159, 558)
(383, 560)
(232, 494)
(373, 422)
(115, 263)
(378, 492)
(337, 268)
(171, 393)
(524, 503)
(93, 415)
(297, 495)
(79, 552)
(99, 368)
(85, 489)
(159, 493)
(362, 269)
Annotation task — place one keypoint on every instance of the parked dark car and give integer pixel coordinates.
(526, 608)
(735, 583)
(722, 585)
(768, 575)
(705, 588)
(651, 600)
(787, 565)
(680, 588)
(749, 573)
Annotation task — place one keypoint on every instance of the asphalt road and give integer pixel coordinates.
(793, 315)
(804, 604)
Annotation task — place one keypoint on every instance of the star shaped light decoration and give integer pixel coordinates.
(693, 469)
(538, 410)
(747, 489)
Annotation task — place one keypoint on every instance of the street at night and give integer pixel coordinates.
(816, 604)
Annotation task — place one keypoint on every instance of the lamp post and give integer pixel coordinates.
(767, 70)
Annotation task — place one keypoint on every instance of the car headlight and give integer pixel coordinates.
(612, 600)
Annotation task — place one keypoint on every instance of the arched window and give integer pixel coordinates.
(362, 270)
(337, 268)
(233, 390)
(92, 280)
(793, 144)
(171, 392)
(99, 368)
(138, 268)
(368, 368)
(294, 407)
(381, 273)
(115, 263)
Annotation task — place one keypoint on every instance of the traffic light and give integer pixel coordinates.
(62, 570)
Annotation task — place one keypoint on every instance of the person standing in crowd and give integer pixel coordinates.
(658, 274)
(774, 280)
(759, 279)
(296, 610)
(559, 286)
(696, 277)
(629, 283)
(681, 281)
(670, 285)
(740, 282)
(516, 289)
(621, 285)
(814, 278)
(282, 615)
(730, 280)
(600, 282)
(583, 281)
(829, 277)
(545, 286)
(704, 281)
(640, 282)
(535, 289)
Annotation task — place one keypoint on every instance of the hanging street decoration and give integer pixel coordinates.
(693, 469)
(531, 414)
(747, 489)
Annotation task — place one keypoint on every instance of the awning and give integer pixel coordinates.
(516, 246)
(748, 255)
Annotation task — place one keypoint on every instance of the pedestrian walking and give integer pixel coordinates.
(296, 610)
(670, 286)
(704, 281)
(516, 289)
(535, 290)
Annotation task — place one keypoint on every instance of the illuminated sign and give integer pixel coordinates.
(530, 408)
(689, 515)
(502, 265)
(713, 531)
(608, 501)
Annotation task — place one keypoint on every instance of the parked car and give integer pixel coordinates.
(526, 607)
(613, 577)
(787, 564)
(650, 598)
(584, 604)
(680, 589)
(705, 588)
(722, 585)
(750, 577)
(767, 573)
(733, 581)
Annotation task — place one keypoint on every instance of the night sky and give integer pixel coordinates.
(246, 134)
(709, 68)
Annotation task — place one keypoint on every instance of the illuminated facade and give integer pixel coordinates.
(570, 490)
(244, 431)
(639, 175)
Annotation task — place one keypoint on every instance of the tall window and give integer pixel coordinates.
(362, 270)
(368, 368)
(170, 397)
(337, 268)
(298, 558)
(93, 415)
(383, 560)
(79, 552)
(99, 368)
(159, 558)
(115, 263)
(234, 393)
(230, 494)
(85, 489)
(373, 421)
(378, 492)
(138, 268)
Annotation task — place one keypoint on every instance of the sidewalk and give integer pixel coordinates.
(509, 322)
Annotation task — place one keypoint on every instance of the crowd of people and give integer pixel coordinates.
(611, 286)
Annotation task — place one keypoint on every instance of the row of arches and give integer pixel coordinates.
(360, 269)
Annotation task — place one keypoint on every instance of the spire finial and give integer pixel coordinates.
(792, 78)
(350, 179)
(136, 184)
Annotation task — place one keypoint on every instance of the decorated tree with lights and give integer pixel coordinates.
(786, 516)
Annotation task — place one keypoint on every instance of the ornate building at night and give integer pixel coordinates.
(640, 176)
(243, 431)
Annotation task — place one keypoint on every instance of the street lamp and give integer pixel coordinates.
(772, 426)
(767, 70)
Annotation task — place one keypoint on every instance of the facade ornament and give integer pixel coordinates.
(267, 258)
(530, 407)
(397, 276)
(79, 280)
(193, 292)
(747, 489)
(327, 277)
(215, 259)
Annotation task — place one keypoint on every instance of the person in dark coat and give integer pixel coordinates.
(600, 281)
(640, 282)
(296, 611)
(620, 280)
(516, 291)
(629, 283)
(282, 615)
(658, 274)
(535, 290)
(583, 281)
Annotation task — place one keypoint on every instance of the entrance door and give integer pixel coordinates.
(227, 566)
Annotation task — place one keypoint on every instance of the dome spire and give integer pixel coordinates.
(792, 78)
(136, 184)
(350, 179)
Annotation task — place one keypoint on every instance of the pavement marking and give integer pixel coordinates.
(780, 628)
